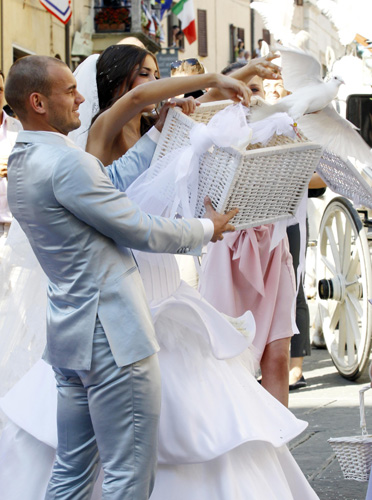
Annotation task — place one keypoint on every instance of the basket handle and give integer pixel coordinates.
(363, 425)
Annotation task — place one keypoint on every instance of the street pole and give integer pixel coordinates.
(67, 44)
(252, 30)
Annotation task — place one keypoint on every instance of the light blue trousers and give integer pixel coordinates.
(106, 414)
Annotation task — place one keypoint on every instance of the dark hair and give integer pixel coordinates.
(117, 68)
(232, 67)
(27, 75)
(2, 74)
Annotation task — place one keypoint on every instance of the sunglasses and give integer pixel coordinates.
(192, 61)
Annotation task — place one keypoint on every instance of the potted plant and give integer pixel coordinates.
(111, 19)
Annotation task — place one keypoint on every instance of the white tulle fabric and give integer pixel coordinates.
(85, 75)
(278, 123)
(22, 309)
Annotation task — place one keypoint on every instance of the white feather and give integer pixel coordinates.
(338, 135)
(277, 17)
(349, 17)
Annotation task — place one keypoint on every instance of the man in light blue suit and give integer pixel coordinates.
(100, 337)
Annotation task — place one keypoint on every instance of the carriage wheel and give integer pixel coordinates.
(344, 287)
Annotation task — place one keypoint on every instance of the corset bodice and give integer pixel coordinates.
(160, 274)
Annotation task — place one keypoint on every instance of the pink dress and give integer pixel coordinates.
(240, 273)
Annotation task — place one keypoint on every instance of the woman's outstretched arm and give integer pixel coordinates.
(109, 124)
(262, 67)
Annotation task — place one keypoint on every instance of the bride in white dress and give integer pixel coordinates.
(221, 435)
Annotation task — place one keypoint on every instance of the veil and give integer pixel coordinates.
(85, 75)
(22, 308)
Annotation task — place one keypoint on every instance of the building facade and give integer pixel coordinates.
(27, 28)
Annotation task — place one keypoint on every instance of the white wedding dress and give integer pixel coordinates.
(221, 436)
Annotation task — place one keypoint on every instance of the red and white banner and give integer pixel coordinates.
(61, 9)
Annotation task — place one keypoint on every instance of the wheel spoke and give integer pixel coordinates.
(334, 317)
(334, 249)
(328, 265)
(341, 335)
(353, 265)
(353, 333)
(344, 239)
(355, 303)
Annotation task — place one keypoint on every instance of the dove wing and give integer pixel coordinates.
(299, 69)
(338, 135)
(277, 17)
(348, 18)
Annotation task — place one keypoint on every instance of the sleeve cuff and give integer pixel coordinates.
(154, 134)
(208, 227)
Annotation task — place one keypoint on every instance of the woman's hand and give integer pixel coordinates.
(264, 68)
(233, 89)
(187, 104)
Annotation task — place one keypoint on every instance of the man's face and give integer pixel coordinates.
(64, 100)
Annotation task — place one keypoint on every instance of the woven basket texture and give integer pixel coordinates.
(265, 183)
(354, 455)
(344, 178)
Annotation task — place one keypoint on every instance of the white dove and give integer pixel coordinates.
(301, 76)
(348, 17)
(277, 17)
(310, 106)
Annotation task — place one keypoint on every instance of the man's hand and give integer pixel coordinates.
(233, 89)
(220, 221)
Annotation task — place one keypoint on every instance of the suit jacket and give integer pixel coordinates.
(81, 229)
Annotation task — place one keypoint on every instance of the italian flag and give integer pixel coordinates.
(184, 10)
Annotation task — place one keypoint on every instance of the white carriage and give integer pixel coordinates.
(343, 270)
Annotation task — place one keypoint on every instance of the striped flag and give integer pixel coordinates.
(184, 10)
(61, 9)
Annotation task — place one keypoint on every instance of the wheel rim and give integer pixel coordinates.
(343, 263)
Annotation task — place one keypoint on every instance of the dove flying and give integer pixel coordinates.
(310, 106)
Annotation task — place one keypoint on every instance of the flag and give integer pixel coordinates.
(61, 9)
(165, 5)
(150, 25)
(184, 10)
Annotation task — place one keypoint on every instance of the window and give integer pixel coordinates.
(174, 26)
(19, 52)
(202, 33)
(241, 35)
(266, 36)
(232, 42)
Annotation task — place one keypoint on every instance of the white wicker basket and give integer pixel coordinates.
(343, 178)
(265, 183)
(354, 453)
